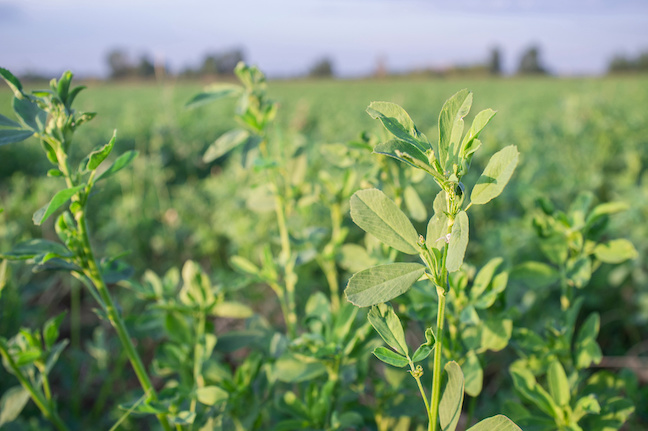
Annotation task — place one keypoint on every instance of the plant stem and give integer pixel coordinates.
(436, 373)
(39, 399)
(91, 270)
(417, 377)
(198, 358)
(290, 278)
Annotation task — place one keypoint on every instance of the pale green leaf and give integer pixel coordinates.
(96, 157)
(528, 387)
(28, 111)
(232, 310)
(294, 368)
(12, 403)
(586, 349)
(119, 164)
(452, 398)
(615, 251)
(535, 275)
(496, 423)
(414, 204)
(378, 215)
(458, 242)
(473, 374)
(388, 326)
(212, 93)
(397, 122)
(395, 148)
(382, 283)
(484, 277)
(496, 175)
(211, 395)
(451, 126)
(226, 143)
(480, 121)
(496, 333)
(57, 201)
(437, 227)
(558, 383)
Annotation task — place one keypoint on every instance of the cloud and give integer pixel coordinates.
(11, 13)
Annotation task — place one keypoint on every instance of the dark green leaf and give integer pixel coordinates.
(484, 277)
(12, 81)
(57, 201)
(458, 242)
(11, 136)
(382, 283)
(390, 357)
(535, 275)
(119, 164)
(7, 122)
(395, 148)
(426, 348)
(35, 247)
(586, 349)
(30, 113)
(528, 387)
(51, 330)
(378, 215)
(96, 157)
(579, 271)
(496, 175)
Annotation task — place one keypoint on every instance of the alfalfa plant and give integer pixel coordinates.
(48, 115)
(441, 251)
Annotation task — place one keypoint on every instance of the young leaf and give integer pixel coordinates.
(398, 122)
(382, 283)
(528, 387)
(13, 401)
(11, 136)
(394, 147)
(226, 143)
(51, 330)
(390, 357)
(96, 157)
(478, 124)
(426, 348)
(119, 164)
(451, 126)
(558, 384)
(388, 326)
(496, 423)
(497, 173)
(378, 215)
(458, 242)
(586, 349)
(232, 310)
(12, 81)
(57, 201)
(211, 395)
(615, 251)
(212, 93)
(452, 398)
(437, 227)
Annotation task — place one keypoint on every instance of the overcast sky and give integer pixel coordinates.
(285, 37)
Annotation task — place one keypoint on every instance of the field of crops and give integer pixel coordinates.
(273, 246)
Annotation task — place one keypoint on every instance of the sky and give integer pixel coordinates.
(286, 37)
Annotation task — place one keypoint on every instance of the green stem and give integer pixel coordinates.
(436, 373)
(198, 358)
(290, 278)
(39, 399)
(417, 376)
(92, 271)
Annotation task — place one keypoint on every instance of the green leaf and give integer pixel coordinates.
(473, 373)
(11, 136)
(382, 283)
(51, 330)
(177, 327)
(414, 204)
(388, 326)
(615, 251)
(390, 357)
(451, 126)
(398, 123)
(496, 333)
(295, 368)
(452, 398)
(212, 93)
(232, 310)
(458, 242)
(480, 121)
(484, 277)
(586, 349)
(7, 122)
(437, 227)
(396, 148)
(35, 247)
(496, 423)
(558, 384)
(30, 113)
(602, 210)
(57, 201)
(211, 395)
(426, 348)
(528, 387)
(584, 406)
(64, 86)
(13, 401)
(496, 175)
(226, 143)
(579, 271)
(12, 81)
(378, 215)
(96, 157)
(119, 164)
(535, 275)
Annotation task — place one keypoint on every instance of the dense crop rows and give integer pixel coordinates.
(271, 240)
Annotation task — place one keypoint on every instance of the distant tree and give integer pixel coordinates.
(495, 62)
(145, 67)
(119, 64)
(222, 63)
(530, 62)
(623, 64)
(322, 68)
